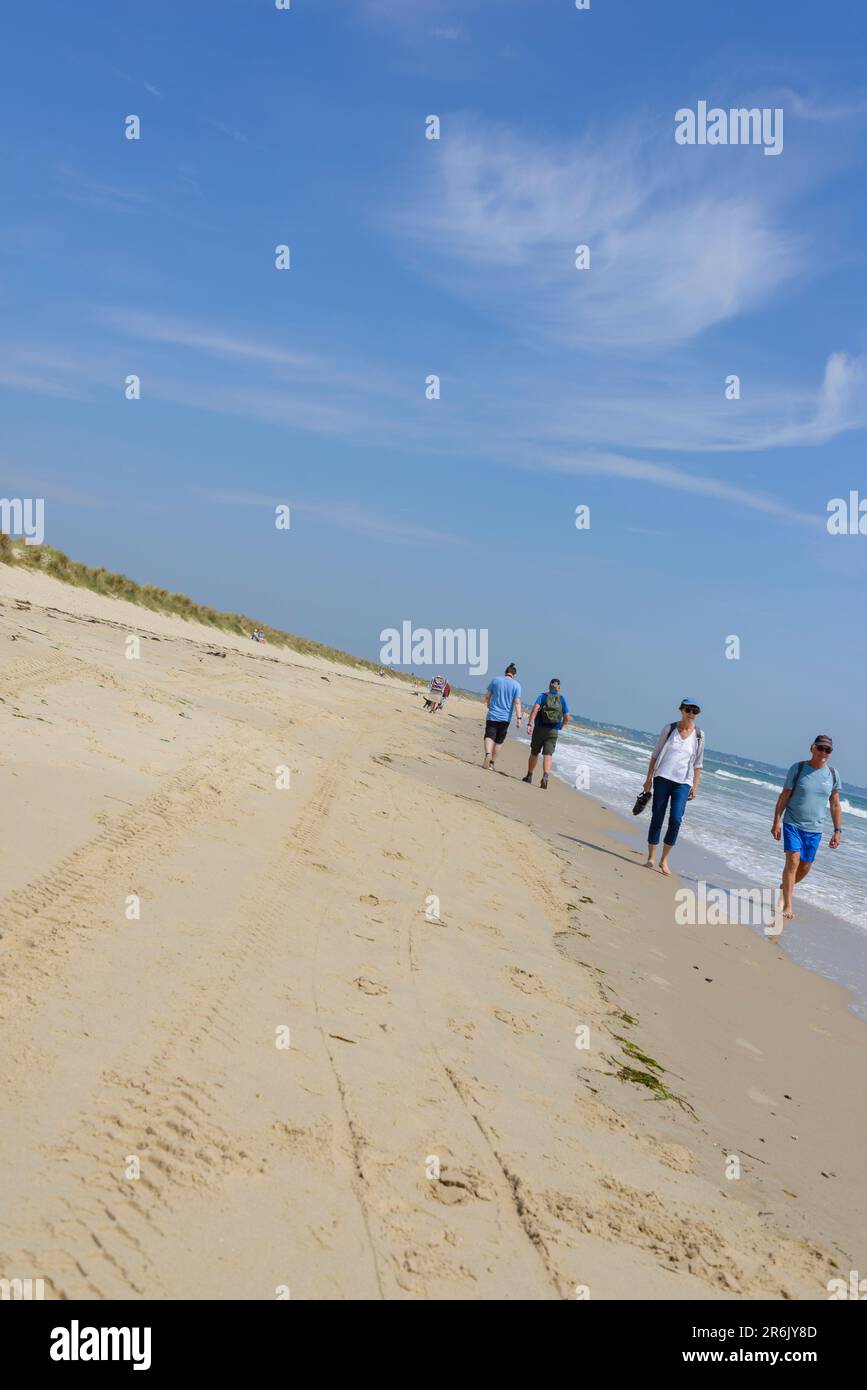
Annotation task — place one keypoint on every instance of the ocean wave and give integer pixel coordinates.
(773, 786)
(852, 810)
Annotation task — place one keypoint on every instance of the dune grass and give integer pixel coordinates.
(47, 560)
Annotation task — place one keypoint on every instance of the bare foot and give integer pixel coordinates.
(649, 864)
(664, 869)
(788, 913)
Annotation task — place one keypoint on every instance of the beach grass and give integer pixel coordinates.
(47, 560)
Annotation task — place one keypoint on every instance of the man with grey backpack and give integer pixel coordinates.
(548, 716)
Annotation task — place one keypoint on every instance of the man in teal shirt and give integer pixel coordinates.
(807, 791)
(502, 696)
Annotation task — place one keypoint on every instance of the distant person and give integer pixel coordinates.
(435, 694)
(447, 690)
(502, 698)
(799, 814)
(674, 772)
(548, 716)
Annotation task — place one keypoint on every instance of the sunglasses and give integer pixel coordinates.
(823, 748)
(691, 709)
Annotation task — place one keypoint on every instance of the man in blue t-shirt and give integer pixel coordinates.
(808, 789)
(548, 716)
(502, 696)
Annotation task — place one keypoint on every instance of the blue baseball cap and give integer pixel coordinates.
(687, 700)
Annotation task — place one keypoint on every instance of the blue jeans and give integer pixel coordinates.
(663, 792)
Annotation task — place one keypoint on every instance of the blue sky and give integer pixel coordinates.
(559, 387)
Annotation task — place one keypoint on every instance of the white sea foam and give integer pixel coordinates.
(756, 782)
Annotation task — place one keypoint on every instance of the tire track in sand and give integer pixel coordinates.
(107, 1235)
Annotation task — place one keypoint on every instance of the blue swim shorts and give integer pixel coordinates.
(803, 842)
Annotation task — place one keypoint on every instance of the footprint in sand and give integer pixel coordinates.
(486, 926)
(514, 1021)
(464, 1030)
(456, 1185)
(675, 1156)
(370, 898)
(524, 981)
(369, 986)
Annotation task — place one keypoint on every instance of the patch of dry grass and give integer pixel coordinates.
(102, 581)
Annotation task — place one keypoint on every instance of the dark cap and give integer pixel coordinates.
(824, 741)
(555, 680)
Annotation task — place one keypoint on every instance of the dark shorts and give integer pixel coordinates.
(497, 729)
(544, 740)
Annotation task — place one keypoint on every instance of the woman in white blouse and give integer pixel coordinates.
(674, 772)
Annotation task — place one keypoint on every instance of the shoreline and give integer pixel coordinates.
(818, 941)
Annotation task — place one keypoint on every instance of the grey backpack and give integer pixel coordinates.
(551, 711)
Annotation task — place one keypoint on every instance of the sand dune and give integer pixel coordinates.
(425, 1037)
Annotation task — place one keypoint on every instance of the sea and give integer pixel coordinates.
(725, 839)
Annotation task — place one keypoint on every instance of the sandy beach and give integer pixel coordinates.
(217, 849)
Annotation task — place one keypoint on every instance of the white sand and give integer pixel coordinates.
(413, 1042)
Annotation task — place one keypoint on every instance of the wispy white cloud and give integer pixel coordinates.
(526, 421)
(811, 108)
(677, 479)
(160, 328)
(840, 405)
(347, 516)
(236, 135)
(94, 193)
(39, 383)
(35, 482)
(678, 406)
(137, 81)
(287, 364)
(670, 255)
